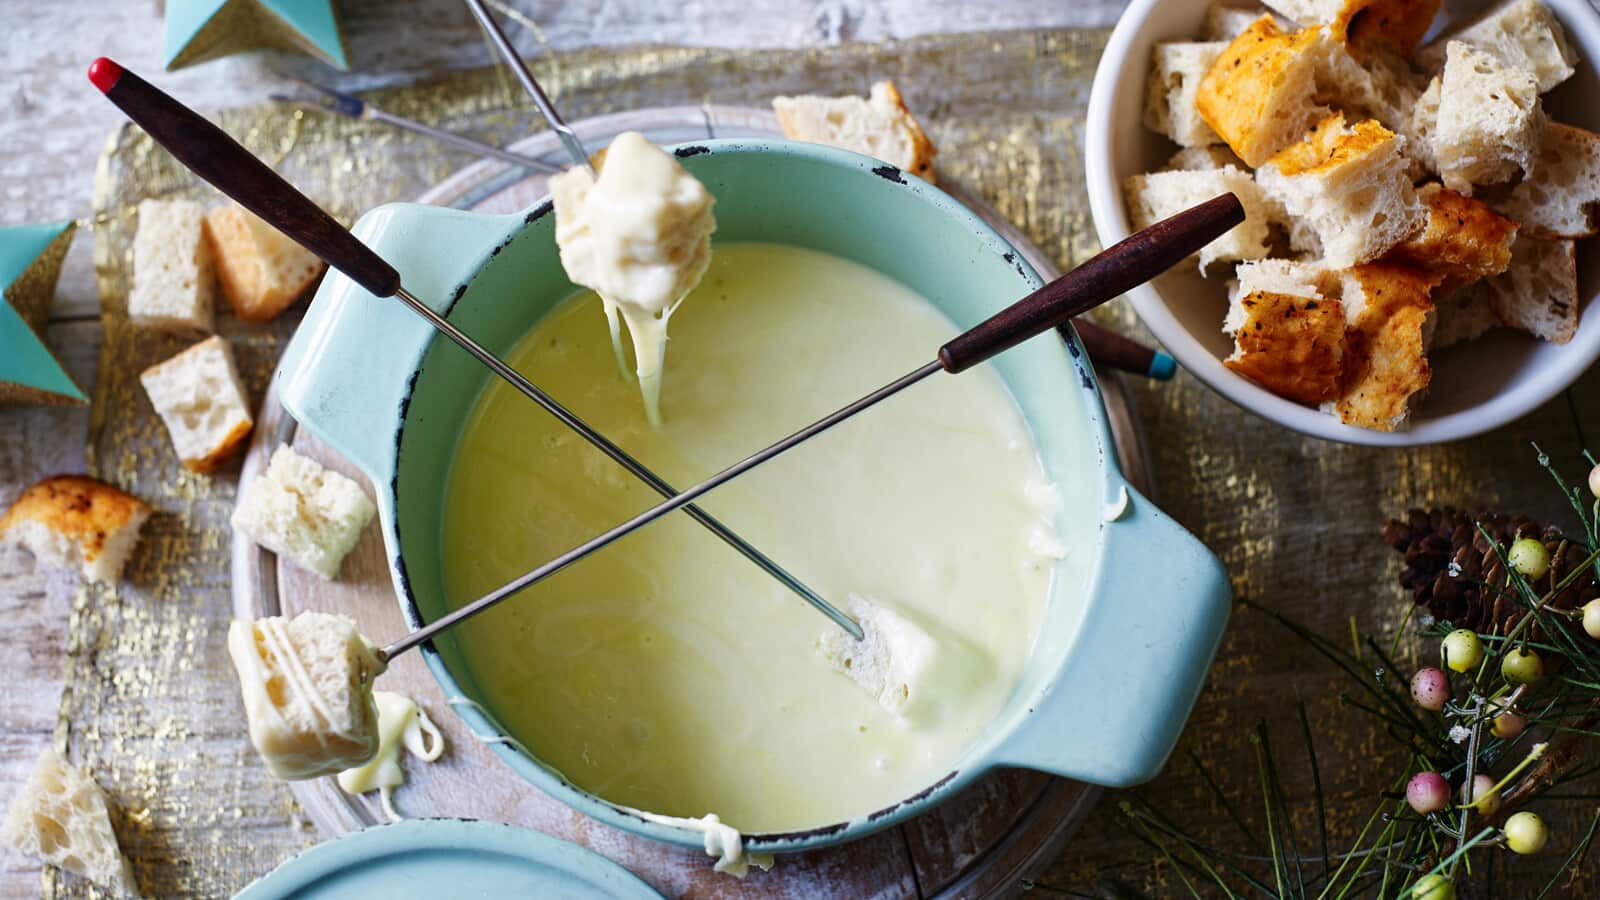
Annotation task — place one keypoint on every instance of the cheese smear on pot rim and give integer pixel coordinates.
(668, 674)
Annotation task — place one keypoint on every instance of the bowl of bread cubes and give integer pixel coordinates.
(1418, 261)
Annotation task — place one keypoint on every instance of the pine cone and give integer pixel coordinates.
(1434, 539)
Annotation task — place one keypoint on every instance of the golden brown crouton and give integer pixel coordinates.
(1292, 346)
(74, 520)
(1385, 355)
(1463, 241)
(1259, 96)
(262, 272)
(1397, 24)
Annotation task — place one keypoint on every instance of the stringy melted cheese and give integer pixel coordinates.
(666, 672)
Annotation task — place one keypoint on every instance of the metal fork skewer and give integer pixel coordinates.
(568, 137)
(622, 458)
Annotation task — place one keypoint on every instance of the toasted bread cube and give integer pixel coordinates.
(1463, 241)
(1559, 199)
(1522, 34)
(307, 689)
(174, 279)
(60, 817)
(1462, 315)
(261, 271)
(1176, 70)
(1490, 121)
(1538, 292)
(300, 510)
(1262, 95)
(1216, 156)
(1291, 345)
(1352, 187)
(1224, 22)
(1390, 312)
(74, 521)
(1398, 24)
(879, 126)
(1158, 195)
(200, 399)
(1282, 277)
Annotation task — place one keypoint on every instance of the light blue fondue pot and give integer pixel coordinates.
(1136, 609)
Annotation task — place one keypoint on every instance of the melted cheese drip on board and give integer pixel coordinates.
(639, 236)
(667, 673)
(402, 725)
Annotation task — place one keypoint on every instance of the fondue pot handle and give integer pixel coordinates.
(1108, 706)
(209, 152)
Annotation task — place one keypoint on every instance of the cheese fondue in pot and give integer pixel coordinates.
(669, 674)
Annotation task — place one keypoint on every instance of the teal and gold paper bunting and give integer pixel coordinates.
(200, 30)
(30, 264)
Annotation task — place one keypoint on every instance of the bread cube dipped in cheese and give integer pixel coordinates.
(174, 276)
(307, 689)
(1389, 314)
(300, 510)
(1490, 120)
(1158, 195)
(1521, 34)
(202, 402)
(1560, 197)
(879, 126)
(260, 270)
(1176, 70)
(74, 521)
(1463, 241)
(1352, 187)
(1397, 24)
(1538, 291)
(60, 817)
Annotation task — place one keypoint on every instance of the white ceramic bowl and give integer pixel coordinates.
(1477, 386)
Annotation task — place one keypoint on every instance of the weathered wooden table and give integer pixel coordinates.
(1295, 520)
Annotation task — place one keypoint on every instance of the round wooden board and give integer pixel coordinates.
(982, 843)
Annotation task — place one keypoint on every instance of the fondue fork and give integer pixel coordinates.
(209, 152)
(552, 117)
(1116, 270)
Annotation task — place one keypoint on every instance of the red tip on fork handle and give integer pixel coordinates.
(104, 74)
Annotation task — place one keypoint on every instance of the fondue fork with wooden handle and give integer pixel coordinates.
(1116, 270)
(209, 152)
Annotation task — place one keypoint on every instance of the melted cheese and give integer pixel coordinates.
(402, 724)
(666, 673)
(640, 237)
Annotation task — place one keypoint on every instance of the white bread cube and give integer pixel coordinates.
(261, 271)
(1463, 315)
(1560, 197)
(1352, 187)
(879, 126)
(1262, 94)
(1522, 34)
(302, 511)
(1216, 156)
(1156, 196)
(1389, 315)
(60, 817)
(1419, 137)
(1538, 293)
(73, 521)
(1490, 121)
(307, 689)
(1225, 22)
(1176, 70)
(1380, 85)
(174, 280)
(200, 399)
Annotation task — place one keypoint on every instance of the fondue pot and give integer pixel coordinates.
(1136, 608)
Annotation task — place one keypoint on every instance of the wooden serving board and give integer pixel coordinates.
(982, 843)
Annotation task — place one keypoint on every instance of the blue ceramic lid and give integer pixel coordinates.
(435, 858)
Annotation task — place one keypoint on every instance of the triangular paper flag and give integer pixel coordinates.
(200, 30)
(30, 264)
